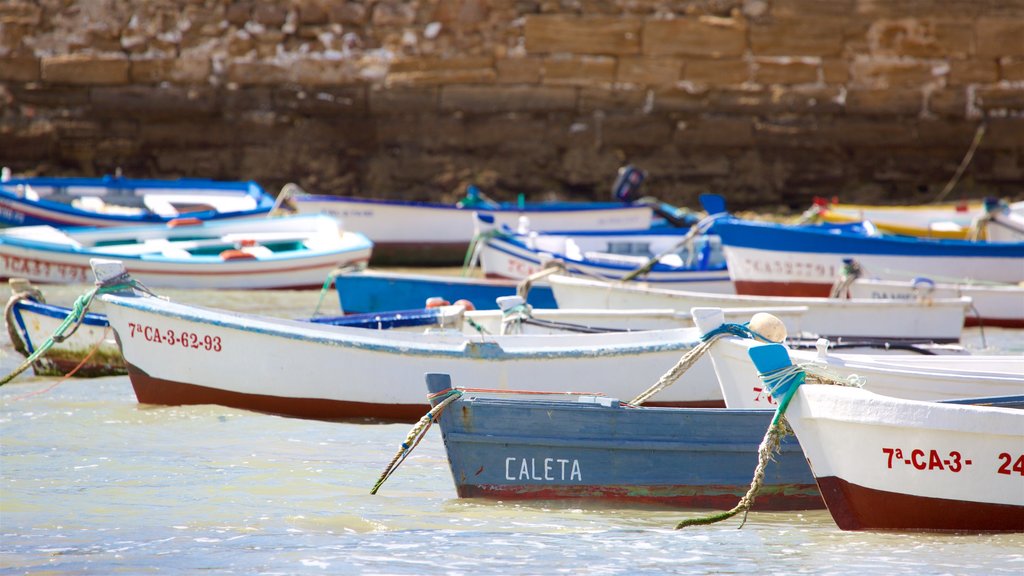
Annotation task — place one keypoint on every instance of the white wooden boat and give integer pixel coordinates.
(287, 252)
(991, 304)
(408, 232)
(938, 377)
(884, 463)
(89, 351)
(614, 256)
(939, 320)
(178, 354)
(116, 201)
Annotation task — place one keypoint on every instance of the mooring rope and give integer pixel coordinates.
(793, 375)
(74, 320)
(694, 354)
(550, 267)
(72, 372)
(417, 433)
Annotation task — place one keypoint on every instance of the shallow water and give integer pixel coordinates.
(92, 482)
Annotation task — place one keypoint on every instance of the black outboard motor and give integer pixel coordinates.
(627, 183)
(627, 189)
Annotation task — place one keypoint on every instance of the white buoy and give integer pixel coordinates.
(769, 326)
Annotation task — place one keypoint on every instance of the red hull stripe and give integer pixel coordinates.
(150, 390)
(790, 497)
(855, 507)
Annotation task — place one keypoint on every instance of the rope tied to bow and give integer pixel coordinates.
(694, 354)
(74, 319)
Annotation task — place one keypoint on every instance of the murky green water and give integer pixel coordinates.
(92, 482)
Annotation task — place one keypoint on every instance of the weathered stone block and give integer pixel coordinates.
(392, 13)
(404, 100)
(322, 101)
(886, 73)
(518, 70)
(700, 36)
(270, 14)
(256, 73)
(797, 37)
(974, 71)
(86, 69)
(1003, 133)
(1000, 36)
(578, 70)
(153, 101)
(1000, 100)
(677, 99)
(631, 130)
(719, 72)
(348, 13)
(920, 37)
(614, 99)
(582, 35)
(189, 70)
(323, 72)
(776, 100)
(873, 133)
(489, 99)
(785, 72)
(19, 68)
(715, 130)
(899, 102)
(835, 70)
(648, 71)
(441, 77)
(948, 102)
(1011, 69)
(19, 12)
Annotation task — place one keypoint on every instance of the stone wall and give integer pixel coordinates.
(767, 101)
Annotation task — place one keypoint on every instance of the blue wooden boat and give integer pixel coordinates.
(377, 291)
(594, 448)
(115, 201)
(784, 260)
(669, 257)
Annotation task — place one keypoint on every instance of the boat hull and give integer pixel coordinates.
(510, 259)
(91, 351)
(423, 233)
(991, 305)
(939, 321)
(597, 451)
(181, 354)
(776, 260)
(891, 464)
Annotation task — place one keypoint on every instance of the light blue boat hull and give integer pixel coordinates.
(597, 450)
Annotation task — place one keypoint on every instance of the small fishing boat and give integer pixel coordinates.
(595, 448)
(286, 252)
(430, 233)
(780, 260)
(116, 201)
(178, 354)
(958, 220)
(938, 320)
(88, 351)
(992, 304)
(665, 258)
(917, 377)
(885, 463)
(381, 291)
